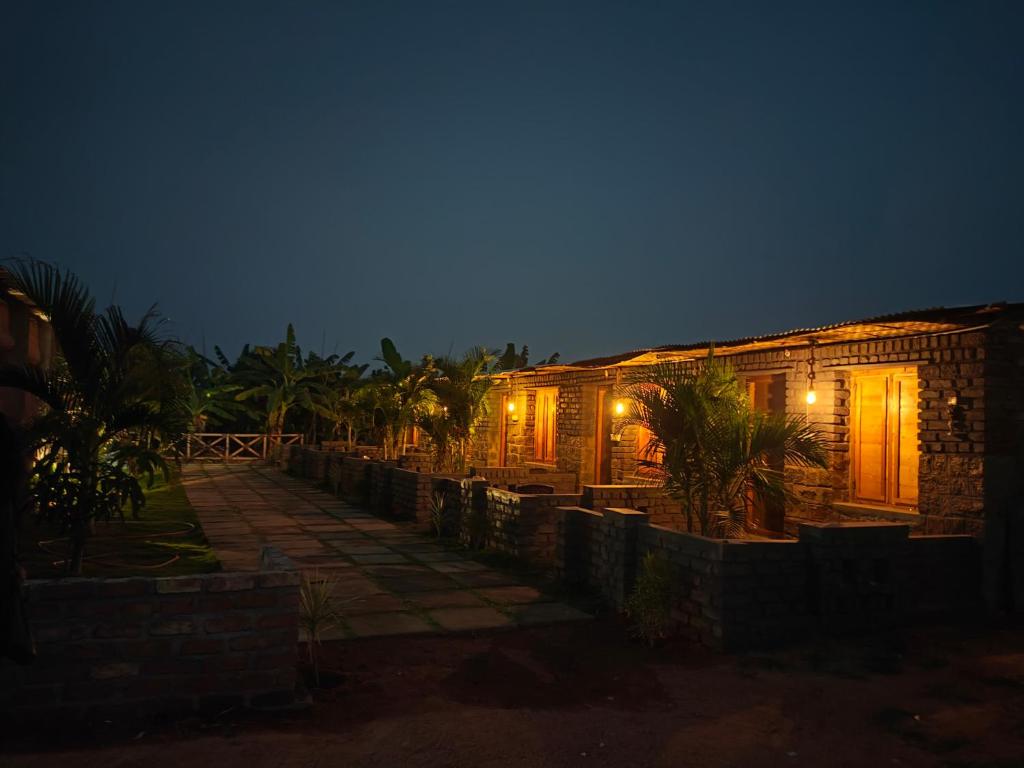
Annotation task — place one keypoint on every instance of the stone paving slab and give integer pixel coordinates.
(458, 598)
(387, 579)
(374, 624)
(461, 619)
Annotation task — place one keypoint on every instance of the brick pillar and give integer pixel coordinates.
(621, 532)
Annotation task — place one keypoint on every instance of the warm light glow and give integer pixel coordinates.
(511, 406)
(812, 397)
(620, 407)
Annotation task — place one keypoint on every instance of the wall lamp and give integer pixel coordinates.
(812, 395)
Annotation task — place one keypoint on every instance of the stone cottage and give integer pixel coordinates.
(923, 412)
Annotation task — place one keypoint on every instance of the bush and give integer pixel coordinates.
(650, 605)
(316, 614)
(440, 518)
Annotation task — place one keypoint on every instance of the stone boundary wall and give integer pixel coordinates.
(741, 594)
(160, 645)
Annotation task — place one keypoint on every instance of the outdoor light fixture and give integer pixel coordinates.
(812, 396)
(511, 406)
(620, 407)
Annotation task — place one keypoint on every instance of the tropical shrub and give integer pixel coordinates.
(459, 402)
(649, 606)
(397, 395)
(316, 614)
(710, 449)
(439, 513)
(111, 402)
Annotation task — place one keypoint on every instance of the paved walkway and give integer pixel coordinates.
(388, 578)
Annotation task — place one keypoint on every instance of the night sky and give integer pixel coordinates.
(582, 177)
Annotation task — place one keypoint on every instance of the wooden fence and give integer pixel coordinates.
(228, 446)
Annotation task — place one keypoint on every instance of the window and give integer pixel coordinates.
(544, 421)
(883, 437)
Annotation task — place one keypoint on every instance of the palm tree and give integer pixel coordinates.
(710, 449)
(460, 401)
(109, 402)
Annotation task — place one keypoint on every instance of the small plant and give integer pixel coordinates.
(316, 614)
(439, 513)
(650, 605)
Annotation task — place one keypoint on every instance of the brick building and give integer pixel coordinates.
(26, 338)
(923, 412)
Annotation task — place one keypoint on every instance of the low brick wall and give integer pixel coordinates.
(355, 479)
(660, 508)
(563, 482)
(379, 475)
(524, 525)
(417, 462)
(411, 495)
(335, 462)
(739, 594)
(160, 645)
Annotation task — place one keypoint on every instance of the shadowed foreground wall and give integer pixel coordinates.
(177, 644)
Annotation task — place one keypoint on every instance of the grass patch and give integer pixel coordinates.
(166, 540)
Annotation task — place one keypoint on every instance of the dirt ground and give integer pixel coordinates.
(585, 694)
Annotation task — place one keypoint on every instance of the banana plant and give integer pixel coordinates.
(278, 378)
(397, 394)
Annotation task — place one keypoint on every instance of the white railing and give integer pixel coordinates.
(230, 446)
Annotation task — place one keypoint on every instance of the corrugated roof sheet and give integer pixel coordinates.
(909, 323)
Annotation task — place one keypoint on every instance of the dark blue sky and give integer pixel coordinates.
(584, 177)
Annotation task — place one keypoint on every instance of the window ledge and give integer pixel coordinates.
(900, 514)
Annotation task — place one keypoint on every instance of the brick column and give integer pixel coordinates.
(621, 531)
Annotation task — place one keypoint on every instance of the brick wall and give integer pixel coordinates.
(411, 495)
(164, 645)
(355, 479)
(738, 594)
(562, 482)
(660, 508)
(974, 366)
(523, 525)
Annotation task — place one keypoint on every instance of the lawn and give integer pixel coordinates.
(166, 540)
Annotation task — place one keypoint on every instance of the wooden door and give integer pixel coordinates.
(545, 424)
(871, 421)
(884, 437)
(767, 394)
(905, 453)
